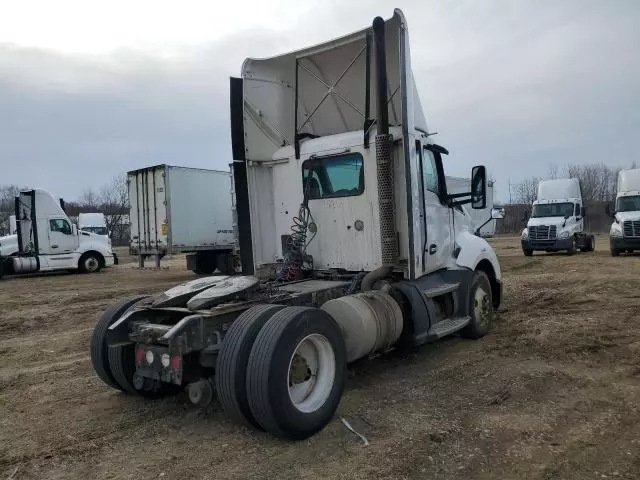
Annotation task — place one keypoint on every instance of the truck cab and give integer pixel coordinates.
(624, 235)
(93, 223)
(557, 219)
(47, 240)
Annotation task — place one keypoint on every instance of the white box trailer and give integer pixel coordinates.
(479, 216)
(182, 210)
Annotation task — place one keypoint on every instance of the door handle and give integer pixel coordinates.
(433, 248)
(54, 246)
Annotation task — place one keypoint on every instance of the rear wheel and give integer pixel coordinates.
(296, 372)
(90, 262)
(480, 307)
(231, 368)
(99, 349)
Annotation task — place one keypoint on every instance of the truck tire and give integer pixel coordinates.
(90, 262)
(296, 372)
(572, 248)
(480, 307)
(99, 349)
(527, 252)
(591, 243)
(231, 367)
(615, 252)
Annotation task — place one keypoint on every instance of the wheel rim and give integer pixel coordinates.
(481, 308)
(312, 371)
(91, 264)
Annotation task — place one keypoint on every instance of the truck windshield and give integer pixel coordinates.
(628, 204)
(552, 210)
(335, 176)
(96, 230)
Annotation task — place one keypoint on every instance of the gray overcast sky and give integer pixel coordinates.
(89, 89)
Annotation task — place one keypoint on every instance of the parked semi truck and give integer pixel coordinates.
(479, 217)
(624, 235)
(339, 190)
(93, 222)
(46, 240)
(557, 219)
(182, 210)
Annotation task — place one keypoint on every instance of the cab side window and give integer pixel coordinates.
(60, 225)
(430, 172)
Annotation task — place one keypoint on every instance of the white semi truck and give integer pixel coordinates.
(339, 190)
(624, 235)
(557, 219)
(182, 210)
(479, 217)
(46, 240)
(94, 223)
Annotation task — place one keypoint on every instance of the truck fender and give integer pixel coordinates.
(475, 253)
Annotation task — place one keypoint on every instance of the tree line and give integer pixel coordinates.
(112, 199)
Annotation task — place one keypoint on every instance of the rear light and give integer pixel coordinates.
(139, 353)
(176, 360)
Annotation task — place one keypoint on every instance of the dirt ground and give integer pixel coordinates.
(552, 392)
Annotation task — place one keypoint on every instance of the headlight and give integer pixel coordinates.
(564, 234)
(615, 231)
(525, 234)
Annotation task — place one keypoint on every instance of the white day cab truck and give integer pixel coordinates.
(340, 196)
(46, 240)
(483, 218)
(94, 223)
(182, 210)
(624, 235)
(557, 219)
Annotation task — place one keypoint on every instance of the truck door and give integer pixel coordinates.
(61, 237)
(439, 239)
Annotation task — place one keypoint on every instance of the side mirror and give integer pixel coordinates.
(478, 187)
(497, 213)
(109, 234)
(74, 229)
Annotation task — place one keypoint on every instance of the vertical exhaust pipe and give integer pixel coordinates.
(384, 151)
(379, 45)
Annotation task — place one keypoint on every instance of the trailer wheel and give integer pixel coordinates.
(231, 367)
(480, 307)
(90, 262)
(297, 371)
(99, 349)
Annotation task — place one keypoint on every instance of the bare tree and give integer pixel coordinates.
(597, 181)
(8, 193)
(526, 191)
(89, 200)
(553, 172)
(114, 203)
